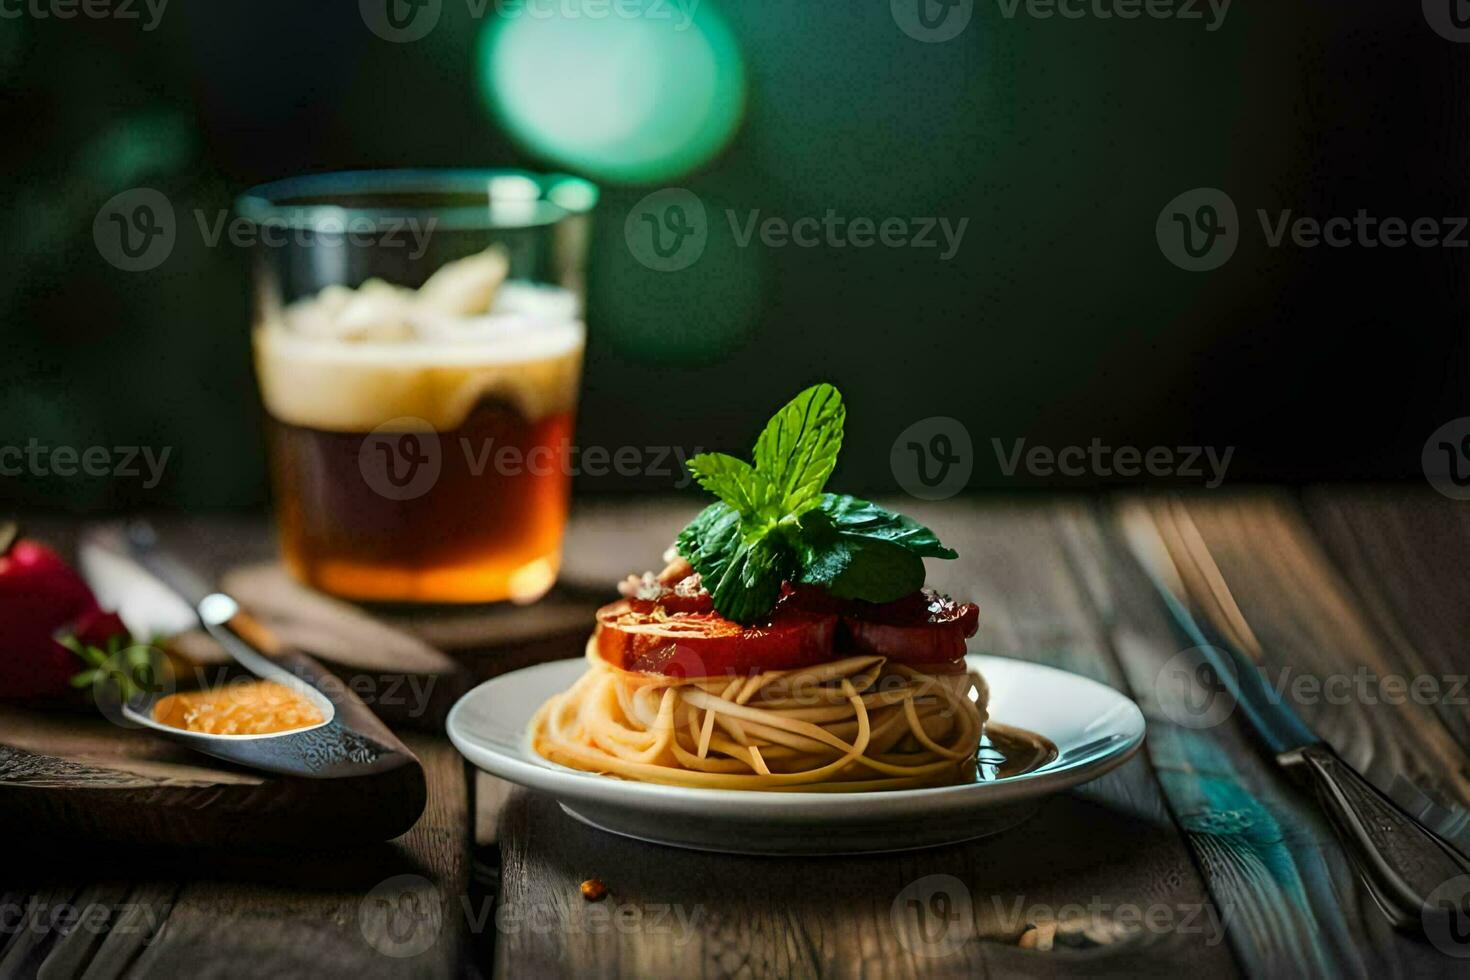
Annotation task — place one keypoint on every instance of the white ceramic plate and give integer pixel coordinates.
(1094, 728)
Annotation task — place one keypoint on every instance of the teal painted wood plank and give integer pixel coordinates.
(1286, 891)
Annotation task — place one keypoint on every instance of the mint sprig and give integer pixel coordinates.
(774, 524)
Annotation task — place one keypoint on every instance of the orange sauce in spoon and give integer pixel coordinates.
(257, 707)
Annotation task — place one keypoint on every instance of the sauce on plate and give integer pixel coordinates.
(1006, 751)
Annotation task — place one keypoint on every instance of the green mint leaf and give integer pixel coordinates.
(852, 516)
(774, 523)
(798, 448)
(743, 576)
(732, 480)
(749, 584)
(853, 567)
(712, 533)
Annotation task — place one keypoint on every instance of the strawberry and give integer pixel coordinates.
(43, 602)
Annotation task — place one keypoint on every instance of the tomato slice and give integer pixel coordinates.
(922, 628)
(706, 644)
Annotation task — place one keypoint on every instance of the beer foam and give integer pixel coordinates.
(352, 360)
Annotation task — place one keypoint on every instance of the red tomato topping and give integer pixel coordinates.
(705, 644)
(922, 628)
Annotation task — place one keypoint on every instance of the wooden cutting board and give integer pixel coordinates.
(70, 775)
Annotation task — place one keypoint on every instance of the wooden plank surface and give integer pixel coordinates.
(1328, 655)
(109, 912)
(1405, 555)
(1272, 862)
(1240, 870)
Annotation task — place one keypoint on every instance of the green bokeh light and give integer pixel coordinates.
(636, 94)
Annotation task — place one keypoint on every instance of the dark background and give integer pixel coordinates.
(1059, 320)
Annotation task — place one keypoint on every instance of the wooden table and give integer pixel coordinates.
(1195, 859)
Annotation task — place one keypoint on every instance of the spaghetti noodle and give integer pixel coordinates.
(854, 724)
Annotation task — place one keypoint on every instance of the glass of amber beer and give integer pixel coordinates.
(418, 341)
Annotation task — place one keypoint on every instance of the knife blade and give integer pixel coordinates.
(147, 606)
(1418, 880)
(1273, 722)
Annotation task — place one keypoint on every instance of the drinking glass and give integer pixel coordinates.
(418, 341)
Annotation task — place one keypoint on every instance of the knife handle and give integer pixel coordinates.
(1414, 877)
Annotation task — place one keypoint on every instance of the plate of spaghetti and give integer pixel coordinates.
(788, 684)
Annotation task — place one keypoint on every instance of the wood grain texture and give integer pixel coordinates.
(1274, 867)
(66, 776)
(1349, 679)
(1404, 553)
(1242, 872)
(1104, 851)
(223, 914)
